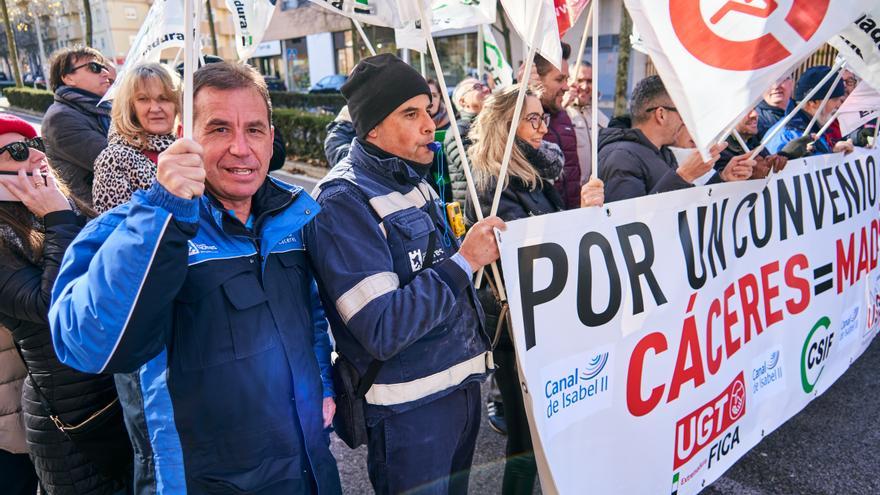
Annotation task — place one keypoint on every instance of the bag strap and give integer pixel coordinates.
(372, 372)
(43, 400)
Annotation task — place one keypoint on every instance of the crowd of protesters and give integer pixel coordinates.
(169, 311)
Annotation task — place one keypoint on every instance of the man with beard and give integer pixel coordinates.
(561, 130)
(772, 107)
(764, 162)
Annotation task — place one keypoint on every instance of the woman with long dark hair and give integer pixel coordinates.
(74, 429)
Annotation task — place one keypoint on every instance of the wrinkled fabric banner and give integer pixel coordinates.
(661, 338)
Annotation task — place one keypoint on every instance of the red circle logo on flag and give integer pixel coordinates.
(804, 18)
(737, 400)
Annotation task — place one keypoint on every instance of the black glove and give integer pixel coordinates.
(796, 148)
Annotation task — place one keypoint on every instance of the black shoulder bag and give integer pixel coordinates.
(102, 437)
(350, 421)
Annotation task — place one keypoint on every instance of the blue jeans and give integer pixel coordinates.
(427, 450)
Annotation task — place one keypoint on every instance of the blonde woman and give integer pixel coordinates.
(145, 111)
(528, 191)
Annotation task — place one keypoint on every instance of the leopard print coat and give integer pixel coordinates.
(121, 169)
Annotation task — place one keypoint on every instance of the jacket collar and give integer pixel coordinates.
(392, 167)
(273, 199)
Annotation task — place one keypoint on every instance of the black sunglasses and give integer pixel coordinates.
(94, 67)
(20, 150)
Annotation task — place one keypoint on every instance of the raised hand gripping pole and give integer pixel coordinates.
(839, 64)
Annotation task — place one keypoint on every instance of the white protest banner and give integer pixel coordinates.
(386, 13)
(661, 338)
(493, 59)
(446, 15)
(717, 57)
(521, 12)
(162, 28)
(859, 108)
(567, 13)
(251, 19)
(859, 44)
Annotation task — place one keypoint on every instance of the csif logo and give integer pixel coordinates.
(815, 352)
(699, 428)
(700, 39)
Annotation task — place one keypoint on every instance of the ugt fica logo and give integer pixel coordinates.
(699, 428)
(816, 349)
(709, 43)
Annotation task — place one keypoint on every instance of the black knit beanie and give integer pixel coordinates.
(811, 78)
(377, 86)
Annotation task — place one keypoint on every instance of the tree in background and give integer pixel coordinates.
(10, 42)
(87, 12)
(620, 86)
(210, 11)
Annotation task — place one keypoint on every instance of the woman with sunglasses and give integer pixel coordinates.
(528, 191)
(75, 126)
(144, 114)
(73, 421)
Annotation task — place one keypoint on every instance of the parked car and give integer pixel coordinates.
(329, 84)
(275, 84)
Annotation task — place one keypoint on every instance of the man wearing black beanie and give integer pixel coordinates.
(396, 285)
(788, 140)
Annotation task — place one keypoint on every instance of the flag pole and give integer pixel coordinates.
(824, 102)
(188, 68)
(775, 130)
(481, 53)
(583, 44)
(360, 30)
(740, 140)
(456, 133)
(594, 94)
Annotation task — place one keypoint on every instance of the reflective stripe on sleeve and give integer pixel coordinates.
(368, 289)
(389, 394)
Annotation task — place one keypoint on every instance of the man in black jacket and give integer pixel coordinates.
(75, 126)
(636, 162)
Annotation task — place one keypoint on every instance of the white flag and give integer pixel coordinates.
(717, 58)
(859, 44)
(522, 12)
(493, 59)
(251, 19)
(445, 15)
(859, 108)
(162, 28)
(386, 13)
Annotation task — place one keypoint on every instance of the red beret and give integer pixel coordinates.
(11, 123)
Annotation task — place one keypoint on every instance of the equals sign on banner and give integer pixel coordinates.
(823, 272)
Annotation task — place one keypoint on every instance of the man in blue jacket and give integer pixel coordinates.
(396, 285)
(790, 139)
(198, 294)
